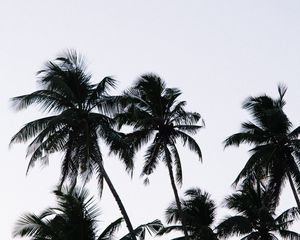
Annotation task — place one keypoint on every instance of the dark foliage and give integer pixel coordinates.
(255, 219)
(199, 212)
(275, 153)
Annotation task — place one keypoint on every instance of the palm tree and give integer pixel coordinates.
(199, 211)
(276, 148)
(79, 116)
(255, 207)
(155, 113)
(74, 218)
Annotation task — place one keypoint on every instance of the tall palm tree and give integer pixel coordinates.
(74, 218)
(276, 147)
(79, 115)
(255, 219)
(199, 211)
(156, 114)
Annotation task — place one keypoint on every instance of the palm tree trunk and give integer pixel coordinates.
(118, 200)
(177, 200)
(293, 189)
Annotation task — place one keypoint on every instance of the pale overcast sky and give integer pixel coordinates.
(216, 52)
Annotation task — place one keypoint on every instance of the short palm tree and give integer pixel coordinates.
(74, 218)
(79, 116)
(199, 211)
(276, 147)
(156, 114)
(255, 206)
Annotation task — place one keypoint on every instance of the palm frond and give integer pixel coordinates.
(261, 154)
(287, 234)
(110, 230)
(152, 228)
(177, 163)
(294, 169)
(169, 229)
(253, 236)
(282, 91)
(234, 225)
(100, 97)
(41, 151)
(153, 152)
(30, 130)
(186, 118)
(243, 137)
(47, 101)
(139, 137)
(98, 165)
(104, 85)
(118, 144)
(69, 166)
(31, 225)
(287, 217)
(172, 214)
(193, 145)
(295, 133)
(191, 129)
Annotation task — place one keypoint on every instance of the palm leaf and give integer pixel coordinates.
(286, 234)
(48, 101)
(261, 154)
(151, 157)
(169, 229)
(152, 228)
(193, 145)
(234, 225)
(31, 225)
(287, 217)
(177, 163)
(110, 230)
(295, 133)
(192, 129)
(30, 130)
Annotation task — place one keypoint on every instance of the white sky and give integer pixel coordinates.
(216, 52)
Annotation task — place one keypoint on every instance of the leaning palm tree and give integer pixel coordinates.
(155, 113)
(276, 147)
(74, 218)
(79, 116)
(199, 211)
(255, 206)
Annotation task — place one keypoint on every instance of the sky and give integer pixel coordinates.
(217, 52)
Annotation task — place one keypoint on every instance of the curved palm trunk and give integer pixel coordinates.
(177, 200)
(293, 189)
(118, 200)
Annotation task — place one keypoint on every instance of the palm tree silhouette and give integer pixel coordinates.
(199, 211)
(256, 218)
(155, 113)
(276, 146)
(79, 116)
(74, 218)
